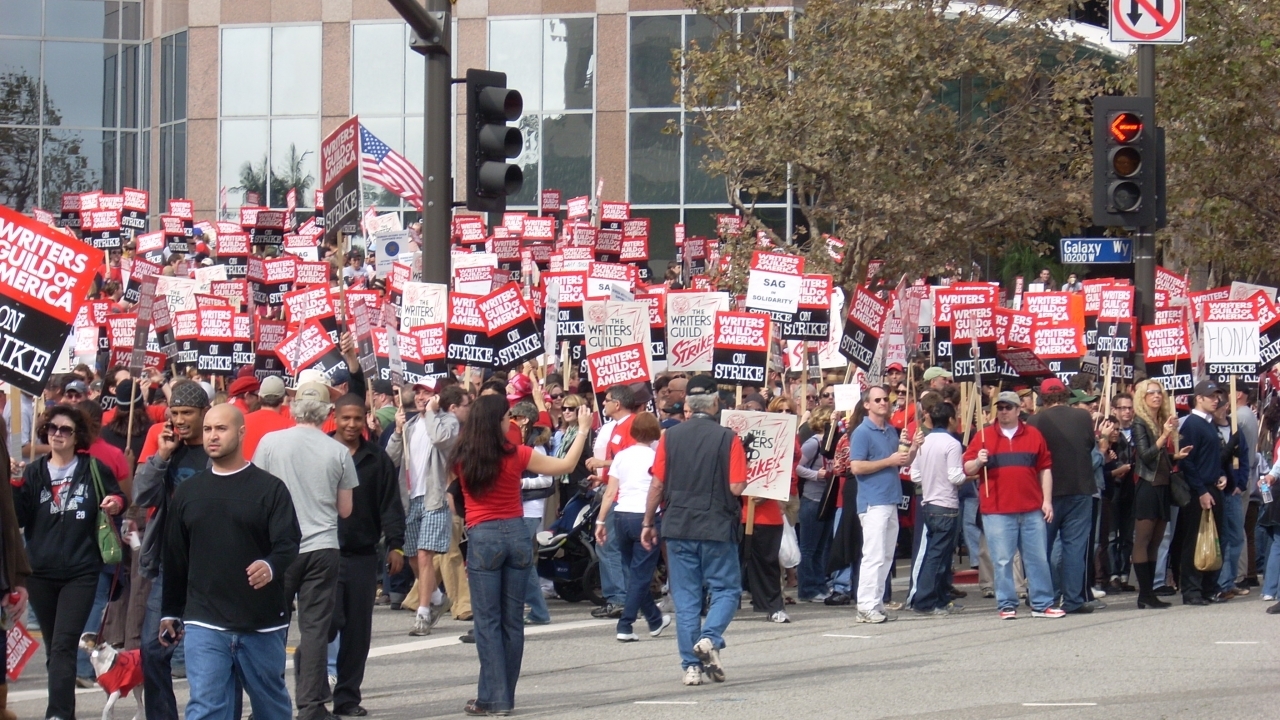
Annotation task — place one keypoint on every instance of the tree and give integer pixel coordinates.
(65, 168)
(291, 177)
(1218, 97)
(254, 179)
(915, 133)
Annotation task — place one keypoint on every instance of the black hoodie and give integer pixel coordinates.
(62, 537)
(376, 509)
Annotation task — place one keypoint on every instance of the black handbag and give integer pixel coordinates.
(827, 508)
(1179, 489)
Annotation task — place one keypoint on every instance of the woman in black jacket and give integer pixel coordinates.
(1154, 425)
(57, 506)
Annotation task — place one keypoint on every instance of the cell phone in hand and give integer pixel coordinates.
(171, 634)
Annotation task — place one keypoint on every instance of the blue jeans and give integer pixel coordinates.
(1072, 522)
(534, 598)
(219, 657)
(931, 588)
(692, 565)
(842, 579)
(1262, 541)
(157, 684)
(1231, 535)
(84, 668)
(1271, 576)
(972, 533)
(613, 576)
(814, 537)
(1011, 532)
(499, 558)
(639, 564)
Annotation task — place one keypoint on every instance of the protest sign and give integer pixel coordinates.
(310, 347)
(690, 329)
(862, 328)
(769, 442)
(740, 350)
(618, 366)
(423, 304)
(233, 253)
(774, 284)
(467, 335)
(340, 179)
(1231, 341)
(813, 311)
(513, 334)
(1167, 354)
(390, 244)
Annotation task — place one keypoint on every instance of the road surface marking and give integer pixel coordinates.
(1236, 642)
(860, 637)
(1058, 704)
(666, 702)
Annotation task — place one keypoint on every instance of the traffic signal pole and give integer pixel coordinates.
(1144, 240)
(431, 26)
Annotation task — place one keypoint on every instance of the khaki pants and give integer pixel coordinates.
(452, 569)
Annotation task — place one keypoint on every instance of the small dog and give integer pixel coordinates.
(118, 672)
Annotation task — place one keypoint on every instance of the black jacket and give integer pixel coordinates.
(376, 508)
(63, 544)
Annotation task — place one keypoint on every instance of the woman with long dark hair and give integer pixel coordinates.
(57, 507)
(499, 554)
(116, 431)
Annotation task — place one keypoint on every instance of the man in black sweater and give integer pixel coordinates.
(232, 533)
(376, 512)
(1202, 468)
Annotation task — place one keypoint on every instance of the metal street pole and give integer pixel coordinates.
(431, 27)
(1144, 240)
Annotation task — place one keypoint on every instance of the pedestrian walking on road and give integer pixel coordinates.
(500, 555)
(699, 470)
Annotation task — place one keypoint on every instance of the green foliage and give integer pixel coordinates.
(255, 178)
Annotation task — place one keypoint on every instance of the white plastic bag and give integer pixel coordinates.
(789, 552)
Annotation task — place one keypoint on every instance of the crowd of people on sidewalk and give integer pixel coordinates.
(248, 505)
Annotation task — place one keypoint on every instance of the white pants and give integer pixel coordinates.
(879, 540)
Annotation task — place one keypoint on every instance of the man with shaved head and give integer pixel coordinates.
(231, 535)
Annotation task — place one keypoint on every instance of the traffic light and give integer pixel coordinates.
(1126, 166)
(491, 142)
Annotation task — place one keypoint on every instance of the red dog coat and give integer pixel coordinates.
(125, 673)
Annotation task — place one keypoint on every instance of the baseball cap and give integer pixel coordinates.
(1051, 385)
(340, 376)
(700, 385)
(426, 383)
(272, 386)
(312, 376)
(76, 386)
(1205, 388)
(894, 366)
(936, 372)
(1008, 396)
(1080, 396)
(126, 393)
(313, 391)
(383, 387)
(243, 386)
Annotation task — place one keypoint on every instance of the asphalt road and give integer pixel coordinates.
(1120, 662)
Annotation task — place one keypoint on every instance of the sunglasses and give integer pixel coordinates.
(569, 409)
(881, 399)
(556, 397)
(827, 395)
(1006, 408)
(67, 430)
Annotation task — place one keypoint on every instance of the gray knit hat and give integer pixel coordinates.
(188, 394)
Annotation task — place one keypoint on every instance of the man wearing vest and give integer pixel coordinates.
(699, 471)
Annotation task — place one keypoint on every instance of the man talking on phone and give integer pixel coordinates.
(179, 455)
(232, 533)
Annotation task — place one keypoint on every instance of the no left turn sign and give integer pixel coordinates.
(1148, 21)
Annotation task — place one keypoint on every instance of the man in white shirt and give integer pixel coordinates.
(939, 468)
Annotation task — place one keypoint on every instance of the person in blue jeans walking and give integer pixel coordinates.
(499, 551)
(1011, 463)
(231, 535)
(620, 405)
(534, 491)
(629, 482)
(939, 468)
(699, 470)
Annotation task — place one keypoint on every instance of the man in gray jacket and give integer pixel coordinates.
(429, 527)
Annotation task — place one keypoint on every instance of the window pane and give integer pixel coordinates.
(131, 20)
(662, 238)
(75, 75)
(377, 68)
(415, 78)
(180, 76)
(111, 20)
(109, 181)
(20, 82)
(655, 159)
(19, 167)
(144, 72)
(566, 154)
(243, 159)
(515, 48)
(702, 221)
(245, 56)
(144, 163)
(295, 144)
(568, 64)
(653, 40)
(129, 76)
(72, 163)
(77, 18)
(775, 218)
(21, 17)
(413, 139)
(129, 159)
(389, 131)
(699, 186)
(173, 162)
(528, 162)
(295, 70)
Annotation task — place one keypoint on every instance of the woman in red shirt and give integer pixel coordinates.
(499, 554)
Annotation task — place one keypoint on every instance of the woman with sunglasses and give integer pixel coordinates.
(57, 506)
(571, 482)
(1154, 427)
(500, 556)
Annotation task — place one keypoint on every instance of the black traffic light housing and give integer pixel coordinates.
(491, 141)
(1127, 162)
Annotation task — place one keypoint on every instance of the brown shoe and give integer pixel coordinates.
(464, 617)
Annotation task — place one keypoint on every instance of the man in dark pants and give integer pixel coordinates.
(1202, 469)
(376, 511)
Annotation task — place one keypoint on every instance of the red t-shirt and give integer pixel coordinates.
(502, 502)
(262, 421)
(1012, 481)
(152, 443)
(110, 456)
(621, 438)
(768, 512)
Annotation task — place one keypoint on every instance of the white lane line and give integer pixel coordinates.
(1058, 704)
(1236, 642)
(860, 637)
(666, 702)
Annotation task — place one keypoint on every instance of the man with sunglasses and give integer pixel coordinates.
(874, 459)
(1011, 462)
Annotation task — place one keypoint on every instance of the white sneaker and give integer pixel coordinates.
(709, 656)
(875, 617)
(820, 597)
(692, 676)
(421, 626)
(333, 682)
(666, 622)
(1098, 592)
(1268, 598)
(779, 617)
(628, 637)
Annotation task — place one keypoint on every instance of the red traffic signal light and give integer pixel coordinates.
(1126, 127)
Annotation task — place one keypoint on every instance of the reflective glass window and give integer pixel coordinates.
(242, 158)
(19, 167)
(75, 75)
(377, 52)
(654, 39)
(21, 17)
(515, 49)
(295, 145)
(295, 70)
(80, 19)
(566, 154)
(568, 64)
(654, 159)
(20, 82)
(72, 163)
(246, 71)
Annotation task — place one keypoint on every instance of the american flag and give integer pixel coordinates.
(386, 167)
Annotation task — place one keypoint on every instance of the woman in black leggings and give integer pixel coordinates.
(1154, 426)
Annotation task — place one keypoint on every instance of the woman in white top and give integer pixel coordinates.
(629, 481)
(534, 491)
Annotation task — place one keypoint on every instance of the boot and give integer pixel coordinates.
(5, 712)
(1146, 573)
